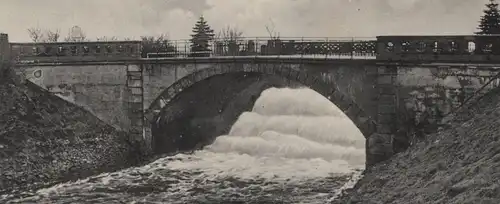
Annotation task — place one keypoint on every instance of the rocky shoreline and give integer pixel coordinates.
(459, 164)
(45, 140)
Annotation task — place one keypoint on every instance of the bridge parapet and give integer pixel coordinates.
(258, 46)
(29, 53)
(459, 48)
(415, 49)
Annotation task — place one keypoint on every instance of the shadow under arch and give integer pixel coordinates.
(157, 113)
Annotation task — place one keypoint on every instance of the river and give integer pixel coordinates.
(295, 146)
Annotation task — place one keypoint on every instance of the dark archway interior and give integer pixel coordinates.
(207, 109)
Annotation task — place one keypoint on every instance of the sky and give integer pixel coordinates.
(291, 18)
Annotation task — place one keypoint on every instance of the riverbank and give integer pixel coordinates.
(45, 140)
(460, 164)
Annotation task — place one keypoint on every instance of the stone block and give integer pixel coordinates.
(387, 99)
(385, 109)
(369, 70)
(134, 106)
(385, 79)
(135, 99)
(384, 129)
(380, 144)
(135, 90)
(386, 118)
(133, 68)
(386, 89)
(137, 121)
(134, 75)
(387, 70)
(137, 132)
(134, 83)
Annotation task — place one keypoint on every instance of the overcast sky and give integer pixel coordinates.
(318, 18)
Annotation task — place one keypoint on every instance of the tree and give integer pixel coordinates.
(36, 34)
(107, 39)
(271, 31)
(53, 36)
(229, 34)
(490, 21)
(202, 35)
(158, 44)
(228, 41)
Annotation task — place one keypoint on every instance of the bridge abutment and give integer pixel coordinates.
(380, 146)
(135, 108)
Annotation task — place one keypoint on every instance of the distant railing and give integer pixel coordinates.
(319, 47)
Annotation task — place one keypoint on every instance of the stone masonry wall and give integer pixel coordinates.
(101, 89)
(427, 94)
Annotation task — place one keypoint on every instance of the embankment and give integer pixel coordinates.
(459, 164)
(44, 139)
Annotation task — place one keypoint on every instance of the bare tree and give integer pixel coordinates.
(36, 34)
(53, 36)
(106, 38)
(161, 39)
(271, 31)
(156, 44)
(228, 41)
(229, 34)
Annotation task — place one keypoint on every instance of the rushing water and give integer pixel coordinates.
(294, 147)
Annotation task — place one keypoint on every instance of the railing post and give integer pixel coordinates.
(352, 48)
(256, 45)
(302, 48)
(185, 50)
(176, 51)
(327, 48)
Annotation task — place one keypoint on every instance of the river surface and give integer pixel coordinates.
(295, 146)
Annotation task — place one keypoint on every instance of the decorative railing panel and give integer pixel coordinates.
(77, 51)
(439, 48)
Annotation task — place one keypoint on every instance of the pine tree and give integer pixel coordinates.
(490, 21)
(202, 35)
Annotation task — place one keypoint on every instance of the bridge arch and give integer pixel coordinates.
(314, 81)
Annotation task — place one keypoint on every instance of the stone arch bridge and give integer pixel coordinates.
(272, 74)
(400, 91)
(386, 102)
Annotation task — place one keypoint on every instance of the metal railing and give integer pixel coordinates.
(298, 47)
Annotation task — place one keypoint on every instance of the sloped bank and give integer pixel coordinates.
(459, 164)
(45, 139)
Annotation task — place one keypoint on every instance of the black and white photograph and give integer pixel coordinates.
(250, 101)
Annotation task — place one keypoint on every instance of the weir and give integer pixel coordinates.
(283, 136)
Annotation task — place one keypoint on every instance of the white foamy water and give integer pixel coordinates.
(294, 147)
